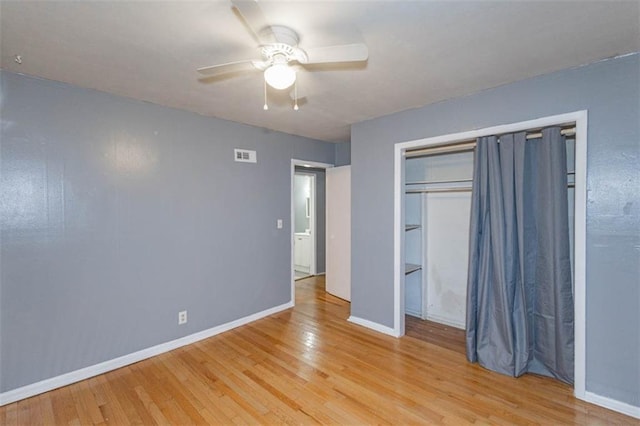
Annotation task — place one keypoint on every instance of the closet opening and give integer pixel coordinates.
(437, 208)
(433, 182)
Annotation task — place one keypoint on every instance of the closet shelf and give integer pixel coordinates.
(410, 267)
(410, 227)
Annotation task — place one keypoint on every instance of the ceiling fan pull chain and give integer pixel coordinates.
(265, 107)
(295, 96)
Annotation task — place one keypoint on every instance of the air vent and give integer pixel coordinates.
(245, 156)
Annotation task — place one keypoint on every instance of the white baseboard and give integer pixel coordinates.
(446, 321)
(413, 313)
(113, 364)
(373, 325)
(612, 404)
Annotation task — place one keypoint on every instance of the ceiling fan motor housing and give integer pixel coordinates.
(285, 46)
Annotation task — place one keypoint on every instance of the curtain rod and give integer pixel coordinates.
(453, 189)
(454, 181)
(470, 144)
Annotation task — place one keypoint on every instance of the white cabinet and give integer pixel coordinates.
(302, 252)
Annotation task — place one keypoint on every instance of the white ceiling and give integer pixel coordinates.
(420, 52)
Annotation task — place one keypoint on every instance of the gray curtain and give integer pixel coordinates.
(520, 294)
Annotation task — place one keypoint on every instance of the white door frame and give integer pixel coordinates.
(303, 163)
(580, 228)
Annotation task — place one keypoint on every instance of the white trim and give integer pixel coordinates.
(580, 257)
(296, 162)
(373, 326)
(612, 404)
(113, 364)
(312, 226)
(446, 321)
(413, 313)
(398, 240)
(580, 119)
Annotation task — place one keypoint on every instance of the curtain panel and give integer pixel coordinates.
(519, 292)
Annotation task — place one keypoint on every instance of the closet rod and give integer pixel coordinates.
(469, 145)
(419, 191)
(570, 131)
(452, 148)
(435, 182)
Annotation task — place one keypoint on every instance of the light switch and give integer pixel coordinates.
(279, 223)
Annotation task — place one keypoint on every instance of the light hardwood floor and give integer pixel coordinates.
(308, 365)
(441, 335)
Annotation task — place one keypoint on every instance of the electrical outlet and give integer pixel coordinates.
(182, 317)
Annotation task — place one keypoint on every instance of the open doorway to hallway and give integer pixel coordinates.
(306, 237)
(308, 209)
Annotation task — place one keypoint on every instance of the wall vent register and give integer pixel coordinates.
(245, 156)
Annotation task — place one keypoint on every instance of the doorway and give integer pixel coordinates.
(304, 221)
(308, 248)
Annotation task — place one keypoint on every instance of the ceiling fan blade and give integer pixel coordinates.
(228, 67)
(343, 53)
(254, 17)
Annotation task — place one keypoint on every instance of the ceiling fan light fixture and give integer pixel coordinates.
(280, 76)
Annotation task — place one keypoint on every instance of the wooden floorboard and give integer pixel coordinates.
(308, 365)
(438, 334)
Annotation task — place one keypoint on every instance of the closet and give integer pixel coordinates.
(437, 202)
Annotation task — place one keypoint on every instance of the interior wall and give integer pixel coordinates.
(301, 191)
(343, 154)
(116, 214)
(446, 256)
(609, 90)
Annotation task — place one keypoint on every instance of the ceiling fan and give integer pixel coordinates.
(279, 51)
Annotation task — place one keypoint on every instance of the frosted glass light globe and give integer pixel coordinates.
(280, 76)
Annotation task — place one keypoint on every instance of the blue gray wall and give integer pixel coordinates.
(343, 154)
(321, 220)
(610, 91)
(116, 214)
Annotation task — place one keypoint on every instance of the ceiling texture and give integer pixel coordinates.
(420, 52)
